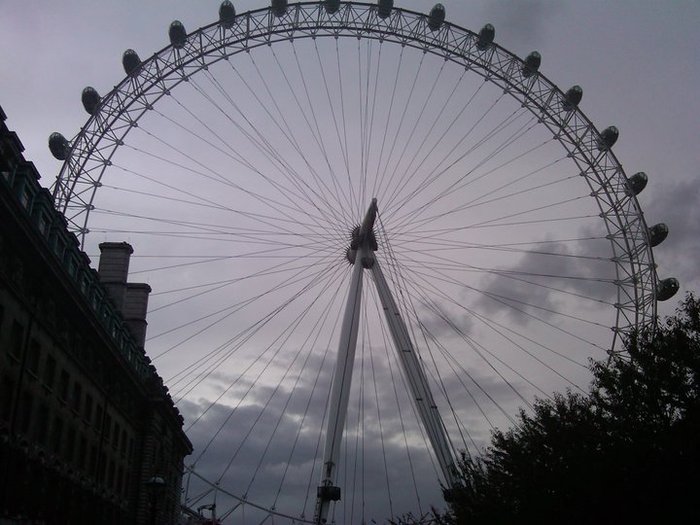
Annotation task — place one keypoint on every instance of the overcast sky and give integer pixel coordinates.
(636, 61)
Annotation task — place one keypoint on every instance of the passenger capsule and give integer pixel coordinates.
(131, 62)
(227, 14)
(657, 234)
(355, 238)
(384, 8)
(666, 289)
(351, 255)
(608, 138)
(331, 6)
(436, 17)
(573, 97)
(279, 7)
(532, 64)
(90, 99)
(636, 183)
(177, 34)
(59, 146)
(486, 36)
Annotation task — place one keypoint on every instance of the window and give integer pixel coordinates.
(63, 382)
(93, 459)
(42, 424)
(108, 428)
(101, 468)
(49, 371)
(76, 397)
(26, 197)
(87, 408)
(78, 347)
(69, 451)
(72, 267)
(16, 337)
(59, 246)
(110, 474)
(93, 300)
(43, 224)
(25, 412)
(120, 476)
(7, 390)
(115, 436)
(82, 452)
(98, 417)
(56, 435)
(33, 357)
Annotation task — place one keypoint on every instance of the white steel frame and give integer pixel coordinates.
(91, 150)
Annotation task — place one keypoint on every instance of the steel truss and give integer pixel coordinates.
(92, 149)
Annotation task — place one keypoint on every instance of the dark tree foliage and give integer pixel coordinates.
(410, 519)
(627, 453)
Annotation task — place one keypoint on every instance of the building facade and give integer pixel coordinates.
(88, 431)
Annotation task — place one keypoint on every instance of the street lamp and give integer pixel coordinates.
(155, 486)
(212, 508)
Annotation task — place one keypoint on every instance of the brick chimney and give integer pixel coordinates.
(130, 298)
(114, 270)
(135, 309)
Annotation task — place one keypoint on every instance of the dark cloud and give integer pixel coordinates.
(267, 423)
(443, 320)
(538, 284)
(521, 24)
(678, 205)
(249, 432)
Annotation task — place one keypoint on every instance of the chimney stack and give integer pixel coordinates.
(131, 299)
(114, 270)
(135, 309)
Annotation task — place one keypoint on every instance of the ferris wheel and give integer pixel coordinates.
(371, 235)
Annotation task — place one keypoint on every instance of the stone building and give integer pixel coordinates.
(88, 432)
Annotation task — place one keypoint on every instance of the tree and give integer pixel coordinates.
(627, 453)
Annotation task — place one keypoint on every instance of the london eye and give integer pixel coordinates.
(371, 234)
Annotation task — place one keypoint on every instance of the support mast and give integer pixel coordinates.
(360, 249)
(416, 378)
(361, 255)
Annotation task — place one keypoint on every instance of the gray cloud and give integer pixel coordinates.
(678, 205)
(300, 464)
(533, 285)
(250, 433)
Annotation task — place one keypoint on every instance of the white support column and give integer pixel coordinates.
(342, 378)
(418, 382)
(340, 393)
(362, 257)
